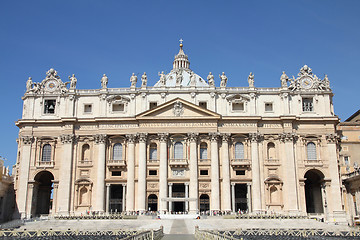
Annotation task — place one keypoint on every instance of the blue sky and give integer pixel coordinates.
(90, 38)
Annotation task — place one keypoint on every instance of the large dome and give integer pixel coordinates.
(181, 74)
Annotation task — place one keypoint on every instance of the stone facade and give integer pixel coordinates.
(7, 197)
(183, 145)
(349, 130)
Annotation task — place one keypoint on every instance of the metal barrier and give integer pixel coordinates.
(75, 234)
(274, 234)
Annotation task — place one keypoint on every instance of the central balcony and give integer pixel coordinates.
(116, 163)
(178, 162)
(240, 162)
(45, 164)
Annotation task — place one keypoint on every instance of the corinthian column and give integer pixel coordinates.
(130, 184)
(21, 192)
(226, 173)
(100, 140)
(290, 173)
(142, 173)
(65, 173)
(193, 168)
(256, 188)
(163, 172)
(215, 185)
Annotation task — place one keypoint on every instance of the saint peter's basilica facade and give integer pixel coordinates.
(182, 145)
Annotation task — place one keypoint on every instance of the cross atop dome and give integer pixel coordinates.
(181, 42)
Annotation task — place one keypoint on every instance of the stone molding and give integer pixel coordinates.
(255, 137)
(100, 138)
(225, 137)
(331, 138)
(288, 137)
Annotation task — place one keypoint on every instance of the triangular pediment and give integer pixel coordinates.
(178, 109)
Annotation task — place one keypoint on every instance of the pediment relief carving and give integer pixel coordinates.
(238, 98)
(178, 108)
(117, 98)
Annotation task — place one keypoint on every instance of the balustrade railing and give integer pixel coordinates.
(240, 162)
(174, 161)
(45, 163)
(116, 163)
(85, 162)
(314, 162)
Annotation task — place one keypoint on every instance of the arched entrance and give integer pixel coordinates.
(204, 203)
(313, 196)
(42, 200)
(152, 202)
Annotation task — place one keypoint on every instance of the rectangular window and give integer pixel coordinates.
(346, 160)
(152, 172)
(240, 172)
(118, 107)
(203, 105)
(204, 172)
(49, 106)
(152, 105)
(307, 105)
(268, 107)
(238, 106)
(116, 173)
(87, 108)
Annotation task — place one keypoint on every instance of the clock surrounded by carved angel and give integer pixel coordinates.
(306, 82)
(51, 85)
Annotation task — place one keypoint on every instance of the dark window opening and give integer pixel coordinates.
(152, 105)
(49, 107)
(203, 105)
(152, 172)
(204, 172)
(116, 173)
(240, 172)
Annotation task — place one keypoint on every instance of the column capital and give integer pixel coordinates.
(142, 137)
(124, 184)
(214, 136)
(100, 138)
(248, 184)
(187, 184)
(163, 137)
(193, 137)
(67, 138)
(232, 184)
(288, 137)
(27, 139)
(108, 185)
(170, 183)
(332, 138)
(255, 137)
(130, 138)
(225, 136)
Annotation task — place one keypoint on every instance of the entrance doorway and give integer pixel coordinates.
(204, 203)
(313, 196)
(178, 191)
(241, 202)
(43, 193)
(116, 196)
(152, 202)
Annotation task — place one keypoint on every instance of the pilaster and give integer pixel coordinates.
(226, 173)
(255, 168)
(163, 169)
(67, 141)
(130, 190)
(142, 173)
(100, 140)
(193, 168)
(215, 185)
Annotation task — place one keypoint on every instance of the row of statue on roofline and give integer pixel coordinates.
(284, 79)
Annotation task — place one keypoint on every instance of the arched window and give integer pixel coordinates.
(46, 153)
(203, 151)
(239, 150)
(117, 151)
(85, 152)
(153, 151)
(311, 151)
(271, 151)
(83, 198)
(178, 150)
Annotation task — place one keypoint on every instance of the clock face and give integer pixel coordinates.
(51, 85)
(306, 82)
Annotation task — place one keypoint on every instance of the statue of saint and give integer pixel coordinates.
(162, 78)
(251, 79)
(144, 80)
(284, 78)
(192, 79)
(73, 81)
(29, 85)
(104, 81)
(326, 82)
(210, 79)
(179, 78)
(133, 80)
(223, 79)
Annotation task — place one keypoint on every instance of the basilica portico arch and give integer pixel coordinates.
(42, 188)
